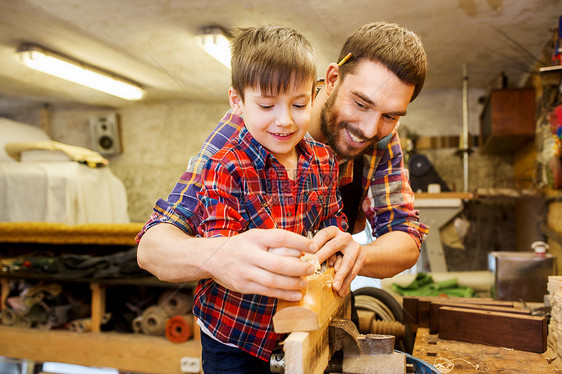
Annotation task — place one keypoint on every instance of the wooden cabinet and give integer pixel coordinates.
(508, 120)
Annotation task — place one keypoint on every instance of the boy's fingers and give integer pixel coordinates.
(283, 265)
(275, 238)
(284, 251)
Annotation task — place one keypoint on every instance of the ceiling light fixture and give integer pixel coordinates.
(52, 63)
(214, 41)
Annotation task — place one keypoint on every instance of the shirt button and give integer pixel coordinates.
(289, 214)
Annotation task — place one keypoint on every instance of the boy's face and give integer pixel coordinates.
(363, 108)
(278, 121)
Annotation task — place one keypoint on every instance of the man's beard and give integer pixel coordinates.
(330, 128)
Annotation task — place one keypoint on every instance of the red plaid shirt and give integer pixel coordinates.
(245, 187)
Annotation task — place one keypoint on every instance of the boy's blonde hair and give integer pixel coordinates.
(392, 45)
(272, 59)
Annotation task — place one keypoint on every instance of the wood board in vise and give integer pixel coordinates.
(307, 349)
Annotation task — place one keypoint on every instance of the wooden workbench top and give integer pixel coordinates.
(477, 358)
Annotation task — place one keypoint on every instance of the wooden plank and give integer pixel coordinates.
(436, 307)
(318, 305)
(424, 305)
(309, 352)
(126, 352)
(526, 333)
(470, 358)
(410, 309)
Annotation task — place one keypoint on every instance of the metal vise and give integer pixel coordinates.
(355, 353)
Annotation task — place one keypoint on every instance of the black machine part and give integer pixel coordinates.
(423, 174)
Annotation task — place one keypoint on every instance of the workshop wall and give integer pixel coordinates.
(157, 141)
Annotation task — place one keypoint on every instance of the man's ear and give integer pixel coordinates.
(332, 75)
(235, 101)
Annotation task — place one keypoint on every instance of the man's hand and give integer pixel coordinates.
(264, 262)
(334, 243)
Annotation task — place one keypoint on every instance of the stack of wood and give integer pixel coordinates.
(554, 298)
(478, 320)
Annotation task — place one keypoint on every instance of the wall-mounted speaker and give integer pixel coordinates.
(104, 132)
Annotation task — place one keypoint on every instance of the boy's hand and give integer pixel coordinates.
(264, 262)
(334, 243)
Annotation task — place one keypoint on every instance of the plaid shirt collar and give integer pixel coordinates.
(260, 154)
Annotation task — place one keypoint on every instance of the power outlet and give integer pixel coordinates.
(190, 365)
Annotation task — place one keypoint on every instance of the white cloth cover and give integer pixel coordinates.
(64, 192)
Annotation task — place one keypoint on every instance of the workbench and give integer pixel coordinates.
(478, 358)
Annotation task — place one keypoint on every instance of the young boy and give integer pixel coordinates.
(267, 176)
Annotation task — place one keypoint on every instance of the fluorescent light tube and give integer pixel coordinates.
(63, 67)
(214, 41)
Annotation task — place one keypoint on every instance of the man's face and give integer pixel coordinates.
(363, 108)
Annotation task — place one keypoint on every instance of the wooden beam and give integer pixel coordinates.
(526, 333)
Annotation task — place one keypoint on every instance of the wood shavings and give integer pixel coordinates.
(309, 257)
(445, 366)
(318, 268)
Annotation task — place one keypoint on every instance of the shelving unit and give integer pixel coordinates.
(508, 120)
(553, 68)
(123, 351)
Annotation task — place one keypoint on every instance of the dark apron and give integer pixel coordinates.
(351, 195)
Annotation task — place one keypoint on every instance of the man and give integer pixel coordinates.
(356, 113)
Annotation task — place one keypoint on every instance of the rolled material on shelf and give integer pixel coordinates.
(175, 303)
(8, 317)
(81, 325)
(137, 325)
(39, 313)
(105, 318)
(154, 320)
(179, 328)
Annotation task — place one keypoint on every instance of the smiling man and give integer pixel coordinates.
(356, 113)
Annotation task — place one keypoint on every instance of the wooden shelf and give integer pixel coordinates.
(444, 195)
(58, 233)
(126, 352)
(550, 69)
(508, 120)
